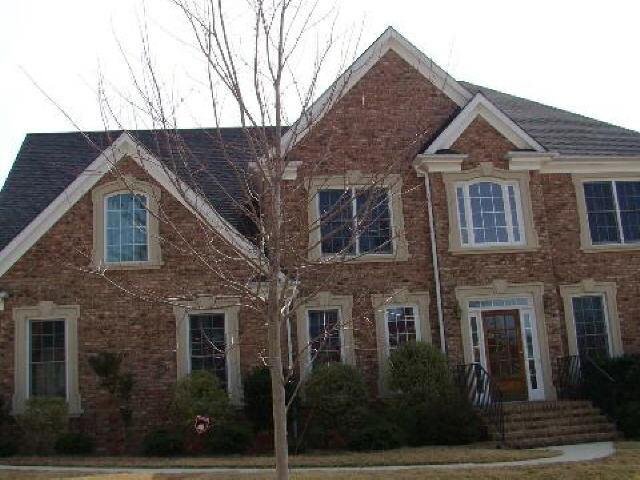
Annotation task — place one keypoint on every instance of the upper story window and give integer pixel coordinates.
(126, 225)
(127, 238)
(489, 213)
(355, 221)
(613, 211)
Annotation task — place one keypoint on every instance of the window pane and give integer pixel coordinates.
(47, 372)
(601, 212)
(336, 221)
(401, 326)
(126, 234)
(324, 336)
(488, 213)
(629, 203)
(591, 328)
(462, 216)
(374, 221)
(207, 344)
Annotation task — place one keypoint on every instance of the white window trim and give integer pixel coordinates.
(325, 301)
(586, 244)
(356, 179)
(486, 170)
(608, 290)
(230, 307)
(126, 184)
(22, 317)
(416, 315)
(352, 189)
(105, 226)
(504, 184)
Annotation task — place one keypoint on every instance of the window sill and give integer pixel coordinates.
(133, 266)
(493, 250)
(611, 247)
(375, 258)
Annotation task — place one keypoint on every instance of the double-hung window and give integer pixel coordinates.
(325, 344)
(355, 221)
(489, 213)
(592, 332)
(47, 358)
(207, 344)
(402, 326)
(613, 211)
(126, 228)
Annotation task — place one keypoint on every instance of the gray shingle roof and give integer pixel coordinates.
(562, 131)
(211, 159)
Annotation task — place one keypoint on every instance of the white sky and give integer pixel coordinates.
(579, 55)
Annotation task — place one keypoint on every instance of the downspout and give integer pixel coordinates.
(434, 261)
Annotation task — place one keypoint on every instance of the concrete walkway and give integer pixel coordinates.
(569, 453)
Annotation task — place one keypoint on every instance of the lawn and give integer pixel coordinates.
(478, 453)
(625, 464)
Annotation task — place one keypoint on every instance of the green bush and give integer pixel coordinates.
(618, 399)
(336, 402)
(199, 394)
(74, 444)
(230, 436)
(377, 434)
(426, 401)
(8, 447)
(257, 398)
(163, 443)
(44, 419)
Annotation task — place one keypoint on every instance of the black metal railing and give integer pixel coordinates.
(572, 372)
(483, 393)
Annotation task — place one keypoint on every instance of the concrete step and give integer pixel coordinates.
(532, 424)
(561, 440)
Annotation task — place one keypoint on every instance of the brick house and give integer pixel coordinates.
(509, 238)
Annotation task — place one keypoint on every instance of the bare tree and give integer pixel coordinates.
(263, 180)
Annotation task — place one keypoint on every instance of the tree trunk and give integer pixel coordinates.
(280, 442)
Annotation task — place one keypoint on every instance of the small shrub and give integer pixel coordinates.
(336, 401)
(199, 394)
(44, 419)
(163, 443)
(628, 419)
(74, 444)
(377, 434)
(8, 447)
(257, 398)
(234, 435)
(427, 402)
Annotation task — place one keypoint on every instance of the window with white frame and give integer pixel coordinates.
(126, 232)
(592, 333)
(489, 213)
(325, 344)
(402, 326)
(47, 358)
(613, 211)
(355, 221)
(207, 344)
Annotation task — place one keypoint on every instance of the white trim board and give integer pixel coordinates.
(125, 144)
(389, 40)
(481, 106)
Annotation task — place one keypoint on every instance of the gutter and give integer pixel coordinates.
(434, 261)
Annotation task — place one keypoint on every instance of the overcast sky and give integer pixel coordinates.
(578, 55)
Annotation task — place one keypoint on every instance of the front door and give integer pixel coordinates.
(505, 360)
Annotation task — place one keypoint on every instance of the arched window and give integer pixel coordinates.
(126, 228)
(490, 213)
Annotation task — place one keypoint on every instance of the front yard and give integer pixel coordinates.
(625, 464)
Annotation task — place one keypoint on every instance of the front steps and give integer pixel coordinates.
(541, 424)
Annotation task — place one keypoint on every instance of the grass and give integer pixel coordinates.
(624, 465)
(479, 453)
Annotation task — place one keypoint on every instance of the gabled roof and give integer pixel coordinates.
(55, 168)
(561, 131)
(389, 40)
(481, 106)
